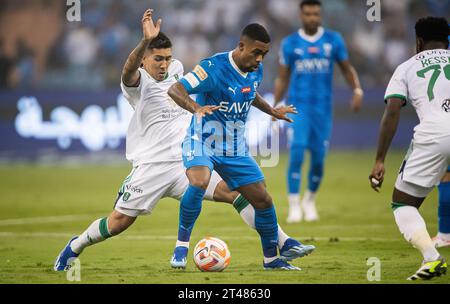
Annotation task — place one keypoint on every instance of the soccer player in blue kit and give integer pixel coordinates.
(226, 86)
(306, 69)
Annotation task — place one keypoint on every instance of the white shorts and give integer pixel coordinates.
(148, 183)
(424, 166)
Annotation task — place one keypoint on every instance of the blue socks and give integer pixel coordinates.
(444, 207)
(190, 207)
(267, 227)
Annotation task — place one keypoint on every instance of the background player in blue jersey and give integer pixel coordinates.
(306, 69)
(226, 85)
(442, 239)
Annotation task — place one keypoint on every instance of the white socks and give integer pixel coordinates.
(444, 236)
(182, 244)
(295, 213)
(308, 205)
(413, 228)
(96, 232)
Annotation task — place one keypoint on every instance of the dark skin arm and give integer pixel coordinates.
(388, 129)
(352, 79)
(278, 113)
(181, 97)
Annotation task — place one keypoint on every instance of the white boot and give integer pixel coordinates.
(308, 205)
(295, 212)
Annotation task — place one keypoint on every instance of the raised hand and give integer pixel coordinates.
(356, 103)
(149, 29)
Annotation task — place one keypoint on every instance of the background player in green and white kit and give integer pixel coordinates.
(424, 82)
(154, 138)
(442, 238)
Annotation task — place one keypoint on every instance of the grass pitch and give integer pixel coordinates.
(41, 207)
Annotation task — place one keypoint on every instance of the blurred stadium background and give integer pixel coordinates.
(60, 104)
(47, 62)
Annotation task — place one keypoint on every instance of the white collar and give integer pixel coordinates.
(312, 38)
(234, 65)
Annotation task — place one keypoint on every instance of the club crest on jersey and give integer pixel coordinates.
(200, 72)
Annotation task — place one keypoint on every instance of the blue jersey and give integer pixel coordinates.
(311, 60)
(218, 81)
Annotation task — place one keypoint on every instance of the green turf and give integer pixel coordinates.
(356, 224)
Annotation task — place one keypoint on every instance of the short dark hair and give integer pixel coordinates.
(160, 42)
(309, 2)
(256, 31)
(433, 29)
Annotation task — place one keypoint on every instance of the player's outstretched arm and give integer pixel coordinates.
(130, 74)
(388, 129)
(281, 83)
(351, 76)
(278, 113)
(180, 95)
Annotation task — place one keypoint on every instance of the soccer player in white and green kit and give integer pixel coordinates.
(424, 82)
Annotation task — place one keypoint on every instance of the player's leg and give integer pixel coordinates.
(102, 229)
(222, 193)
(442, 239)
(267, 227)
(251, 185)
(190, 208)
(294, 174)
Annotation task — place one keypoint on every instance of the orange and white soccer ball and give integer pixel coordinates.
(211, 254)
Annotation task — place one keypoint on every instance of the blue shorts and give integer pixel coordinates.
(236, 171)
(310, 129)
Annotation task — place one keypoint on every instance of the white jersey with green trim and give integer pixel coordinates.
(158, 125)
(424, 82)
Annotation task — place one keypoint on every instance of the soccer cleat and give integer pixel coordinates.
(66, 256)
(309, 211)
(429, 270)
(293, 249)
(179, 258)
(439, 242)
(279, 264)
(294, 216)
